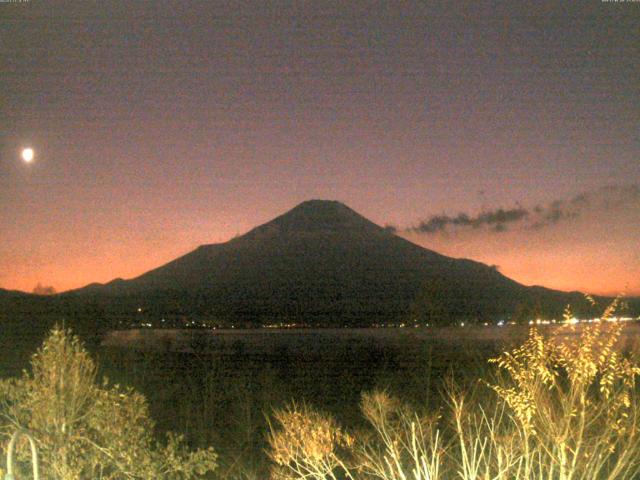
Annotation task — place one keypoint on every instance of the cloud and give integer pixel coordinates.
(497, 220)
(553, 213)
(605, 199)
(40, 289)
(608, 199)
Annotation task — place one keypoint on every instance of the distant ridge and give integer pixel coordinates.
(321, 263)
(12, 293)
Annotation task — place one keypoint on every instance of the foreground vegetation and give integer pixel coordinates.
(88, 429)
(554, 407)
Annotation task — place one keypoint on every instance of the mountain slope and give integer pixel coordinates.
(323, 263)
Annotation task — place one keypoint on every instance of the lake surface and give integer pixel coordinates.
(303, 340)
(311, 341)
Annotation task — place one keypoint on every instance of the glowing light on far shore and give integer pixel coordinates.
(27, 155)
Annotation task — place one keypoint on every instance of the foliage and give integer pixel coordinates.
(573, 403)
(89, 429)
(400, 443)
(560, 408)
(307, 444)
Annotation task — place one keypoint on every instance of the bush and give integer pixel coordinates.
(559, 408)
(572, 406)
(85, 429)
(307, 445)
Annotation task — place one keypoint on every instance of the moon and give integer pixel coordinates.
(27, 154)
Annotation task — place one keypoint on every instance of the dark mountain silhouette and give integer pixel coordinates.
(322, 263)
(10, 293)
(11, 297)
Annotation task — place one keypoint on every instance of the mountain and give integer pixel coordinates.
(322, 263)
(9, 296)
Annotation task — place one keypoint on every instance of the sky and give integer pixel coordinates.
(506, 133)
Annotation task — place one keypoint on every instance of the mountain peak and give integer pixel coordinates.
(315, 215)
(319, 203)
(317, 207)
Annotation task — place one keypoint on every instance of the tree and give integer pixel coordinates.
(85, 429)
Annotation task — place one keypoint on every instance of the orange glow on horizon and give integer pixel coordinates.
(577, 269)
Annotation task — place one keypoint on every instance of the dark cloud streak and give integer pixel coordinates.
(497, 220)
(607, 198)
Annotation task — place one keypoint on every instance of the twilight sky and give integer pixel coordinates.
(507, 134)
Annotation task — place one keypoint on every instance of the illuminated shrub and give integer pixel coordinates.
(89, 430)
(573, 402)
(306, 444)
(558, 408)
